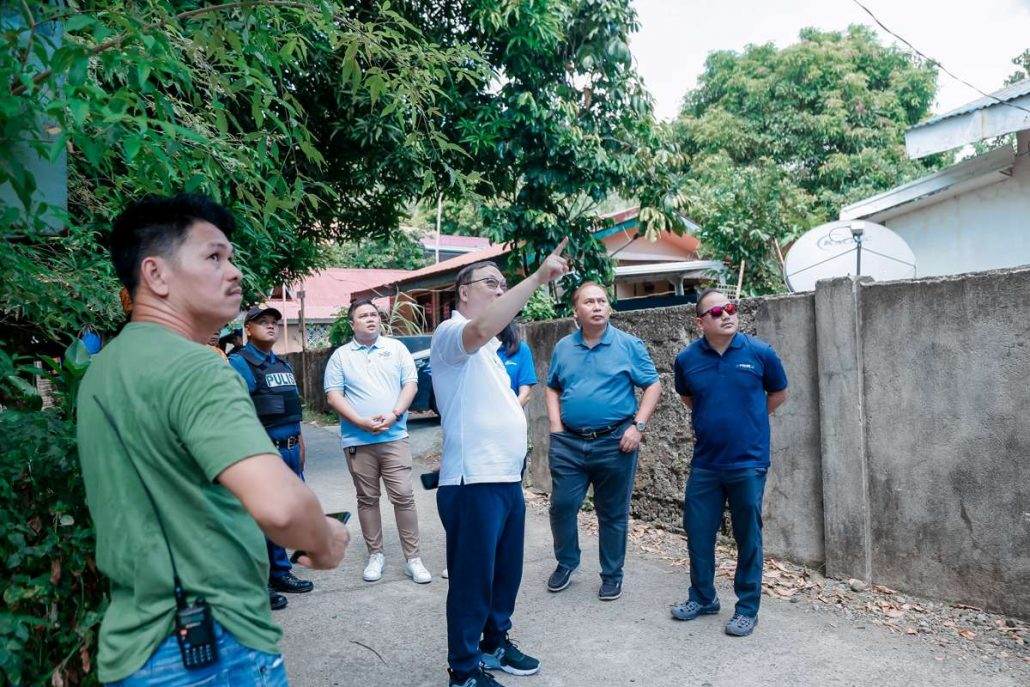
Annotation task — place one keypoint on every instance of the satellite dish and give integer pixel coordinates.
(837, 249)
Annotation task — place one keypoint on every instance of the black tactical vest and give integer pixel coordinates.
(276, 397)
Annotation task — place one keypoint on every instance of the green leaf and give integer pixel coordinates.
(76, 358)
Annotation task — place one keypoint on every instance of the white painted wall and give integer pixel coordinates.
(983, 229)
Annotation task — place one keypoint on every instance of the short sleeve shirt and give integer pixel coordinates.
(597, 384)
(520, 366)
(728, 412)
(185, 416)
(370, 378)
(484, 427)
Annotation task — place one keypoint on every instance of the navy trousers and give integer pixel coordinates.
(575, 464)
(278, 560)
(706, 495)
(485, 526)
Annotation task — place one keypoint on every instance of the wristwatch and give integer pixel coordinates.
(641, 426)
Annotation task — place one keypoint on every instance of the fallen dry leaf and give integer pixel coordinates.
(967, 634)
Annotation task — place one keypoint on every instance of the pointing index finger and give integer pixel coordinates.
(561, 247)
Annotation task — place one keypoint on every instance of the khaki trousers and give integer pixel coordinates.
(391, 462)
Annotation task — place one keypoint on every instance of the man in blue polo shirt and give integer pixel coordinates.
(731, 382)
(595, 434)
(370, 383)
(273, 388)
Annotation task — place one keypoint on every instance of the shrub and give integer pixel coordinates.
(53, 593)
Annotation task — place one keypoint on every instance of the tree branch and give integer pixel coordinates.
(118, 40)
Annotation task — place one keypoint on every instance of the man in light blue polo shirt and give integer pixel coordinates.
(731, 382)
(370, 382)
(595, 434)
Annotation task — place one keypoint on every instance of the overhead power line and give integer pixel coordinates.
(937, 63)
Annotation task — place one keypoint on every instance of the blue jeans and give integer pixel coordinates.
(486, 527)
(576, 463)
(237, 666)
(278, 560)
(707, 493)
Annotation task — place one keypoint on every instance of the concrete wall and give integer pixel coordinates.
(983, 229)
(902, 455)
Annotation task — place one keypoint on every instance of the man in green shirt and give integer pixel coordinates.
(159, 412)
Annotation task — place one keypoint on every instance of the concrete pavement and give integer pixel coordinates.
(392, 632)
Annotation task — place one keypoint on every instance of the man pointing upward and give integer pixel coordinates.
(484, 444)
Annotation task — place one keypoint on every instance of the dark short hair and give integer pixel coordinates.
(158, 225)
(465, 274)
(357, 304)
(510, 338)
(701, 298)
(575, 294)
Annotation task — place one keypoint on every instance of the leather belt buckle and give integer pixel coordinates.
(287, 443)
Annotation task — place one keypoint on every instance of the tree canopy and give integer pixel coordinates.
(564, 124)
(153, 97)
(778, 140)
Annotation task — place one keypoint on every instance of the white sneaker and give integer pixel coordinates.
(374, 569)
(444, 574)
(417, 572)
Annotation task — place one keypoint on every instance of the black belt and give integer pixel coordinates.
(287, 443)
(591, 434)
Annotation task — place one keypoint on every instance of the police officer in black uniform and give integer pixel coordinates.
(277, 401)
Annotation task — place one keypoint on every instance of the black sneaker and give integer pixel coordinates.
(609, 591)
(559, 579)
(277, 601)
(508, 658)
(290, 584)
(477, 678)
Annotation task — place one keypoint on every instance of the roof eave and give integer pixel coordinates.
(979, 171)
(940, 135)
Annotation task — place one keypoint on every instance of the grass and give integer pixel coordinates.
(317, 418)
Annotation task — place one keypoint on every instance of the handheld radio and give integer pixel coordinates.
(194, 624)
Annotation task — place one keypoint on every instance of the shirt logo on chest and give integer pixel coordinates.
(745, 366)
(277, 379)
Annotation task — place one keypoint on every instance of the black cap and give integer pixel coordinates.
(259, 310)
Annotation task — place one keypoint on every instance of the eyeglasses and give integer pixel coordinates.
(718, 310)
(491, 283)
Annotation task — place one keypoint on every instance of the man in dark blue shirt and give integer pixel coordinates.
(276, 397)
(596, 429)
(731, 382)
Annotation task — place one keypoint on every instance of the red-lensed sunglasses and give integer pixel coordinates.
(718, 310)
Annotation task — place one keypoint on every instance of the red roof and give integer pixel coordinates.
(326, 292)
(453, 241)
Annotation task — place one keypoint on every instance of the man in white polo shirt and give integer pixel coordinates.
(484, 444)
(370, 382)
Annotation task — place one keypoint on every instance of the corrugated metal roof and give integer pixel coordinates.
(1016, 90)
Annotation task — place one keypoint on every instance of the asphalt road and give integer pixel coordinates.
(392, 632)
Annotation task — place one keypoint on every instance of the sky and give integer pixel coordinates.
(974, 39)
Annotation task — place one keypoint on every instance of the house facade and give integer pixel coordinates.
(648, 273)
(971, 216)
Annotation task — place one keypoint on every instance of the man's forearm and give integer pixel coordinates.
(303, 526)
(498, 314)
(652, 394)
(553, 399)
(404, 399)
(342, 406)
(775, 400)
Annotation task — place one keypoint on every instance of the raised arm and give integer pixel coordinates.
(498, 314)
(286, 509)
